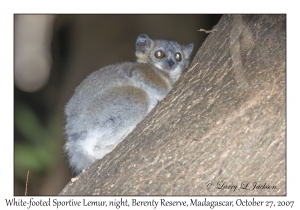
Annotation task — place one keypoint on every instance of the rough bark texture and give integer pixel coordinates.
(224, 123)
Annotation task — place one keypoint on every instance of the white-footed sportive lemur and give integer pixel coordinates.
(111, 101)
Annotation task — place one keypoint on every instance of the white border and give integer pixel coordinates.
(8, 8)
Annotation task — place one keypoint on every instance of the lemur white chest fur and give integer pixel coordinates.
(110, 102)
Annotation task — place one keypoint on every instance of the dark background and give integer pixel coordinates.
(78, 45)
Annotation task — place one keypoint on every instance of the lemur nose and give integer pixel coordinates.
(171, 62)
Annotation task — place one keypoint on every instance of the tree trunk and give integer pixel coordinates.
(220, 131)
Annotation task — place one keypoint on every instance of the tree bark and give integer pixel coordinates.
(223, 124)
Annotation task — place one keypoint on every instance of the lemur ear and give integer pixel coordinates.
(143, 43)
(187, 50)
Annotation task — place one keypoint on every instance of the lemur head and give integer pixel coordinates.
(168, 56)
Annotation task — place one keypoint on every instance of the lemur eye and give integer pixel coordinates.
(178, 56)
(159, 54)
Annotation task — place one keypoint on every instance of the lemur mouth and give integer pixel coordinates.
(168, 68)
(164, 67)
